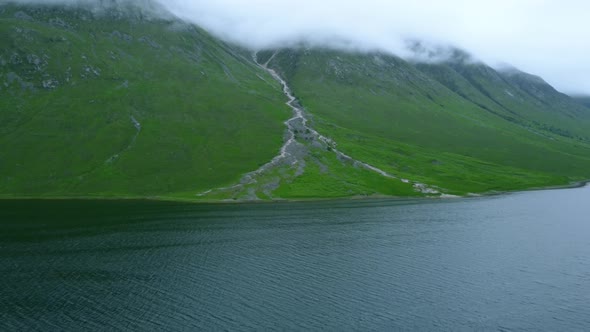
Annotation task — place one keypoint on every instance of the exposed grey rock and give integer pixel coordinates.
(300, 168)
(113, 56)
(50, 84)
(318, 145)
(59, 22)
(271, 186)
(136, 123)
(251, 195)
(36, 61)
(122, 36)
(26, 34)
(150, 42)
(299, 137)
(89, 71)
(420, 187)
(248, 178)
(124, 85)
(22, 16)
(12, 77)
(344, 158)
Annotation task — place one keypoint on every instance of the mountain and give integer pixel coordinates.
(114, 100)
(459, 125)
(109, 103)
(584, 100)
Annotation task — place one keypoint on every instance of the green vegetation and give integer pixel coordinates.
(117, 103)
(460, 126)
(73, 85)
(325, 176)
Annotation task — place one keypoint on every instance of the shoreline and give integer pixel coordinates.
(571, 185)
(164, 199)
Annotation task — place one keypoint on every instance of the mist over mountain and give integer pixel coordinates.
(543, 38)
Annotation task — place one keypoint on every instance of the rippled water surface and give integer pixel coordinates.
(513, 262)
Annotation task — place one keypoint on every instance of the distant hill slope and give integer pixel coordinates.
(584, 100)
(114, 101)
(462, 126)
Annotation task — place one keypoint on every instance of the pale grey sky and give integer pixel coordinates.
(549, 38)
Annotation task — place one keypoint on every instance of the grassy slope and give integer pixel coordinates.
(72, 84)
(387, 112)
(326, 177)
(206, 115)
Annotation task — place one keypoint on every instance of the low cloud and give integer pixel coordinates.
(544, 37)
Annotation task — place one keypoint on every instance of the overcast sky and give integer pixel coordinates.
(550, 38)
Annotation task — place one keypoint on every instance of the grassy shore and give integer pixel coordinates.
(179, 199)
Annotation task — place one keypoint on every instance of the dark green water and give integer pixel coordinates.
(514, 262)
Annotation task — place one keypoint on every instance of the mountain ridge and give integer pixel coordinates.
(155, 107)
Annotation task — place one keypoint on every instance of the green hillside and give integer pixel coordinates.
(114, 101)
(114, 104)
(461, 126)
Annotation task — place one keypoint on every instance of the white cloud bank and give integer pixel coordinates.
(549, 38)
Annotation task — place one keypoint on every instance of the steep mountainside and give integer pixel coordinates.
(460, 125)
(117, 103)
(584, 100)
(114, 101)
